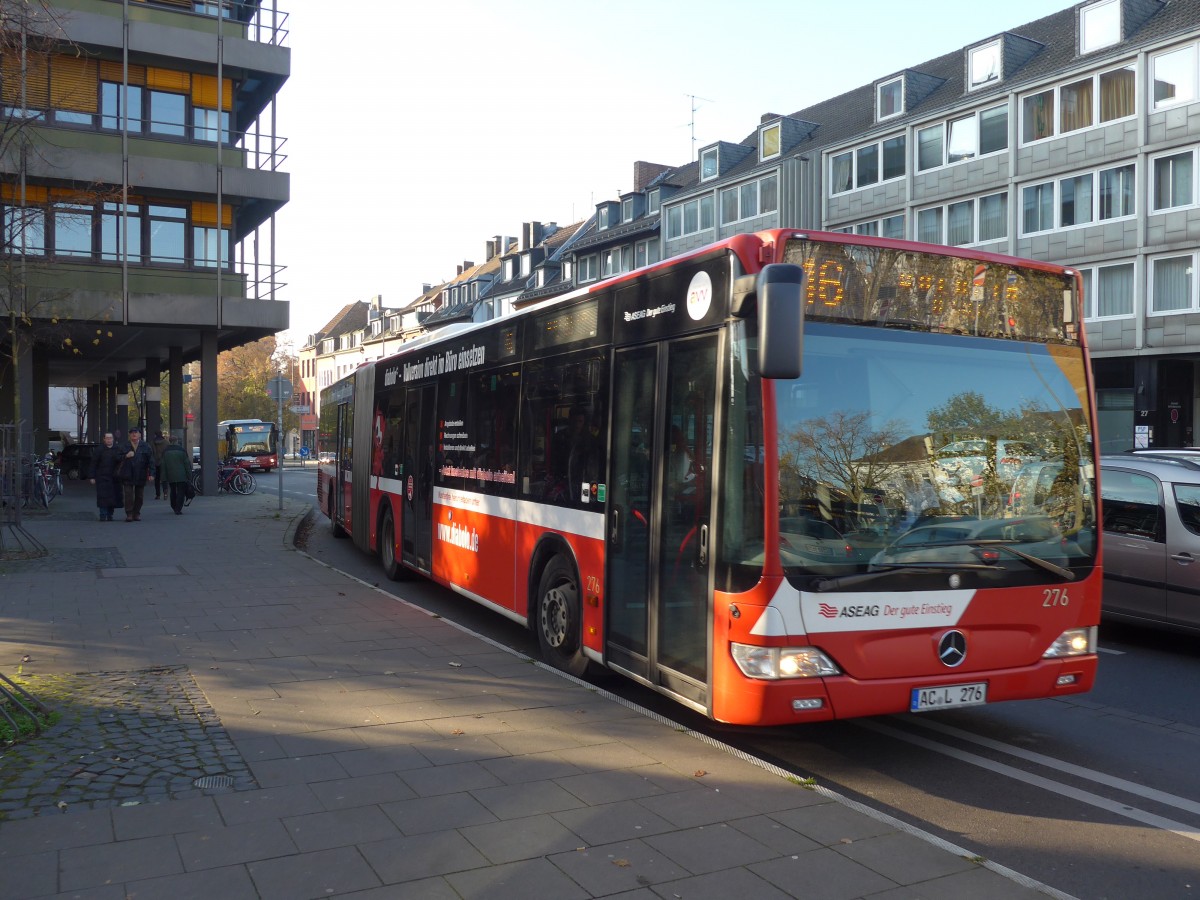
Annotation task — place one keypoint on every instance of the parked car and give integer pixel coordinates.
(951, 542)
(195, 454)
(964, 460)
(1151, 507)
(76, 460)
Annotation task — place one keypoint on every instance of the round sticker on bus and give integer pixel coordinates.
(699, 296)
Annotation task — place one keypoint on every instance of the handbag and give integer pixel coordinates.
(189, 492)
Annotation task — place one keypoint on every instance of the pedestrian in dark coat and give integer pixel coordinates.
(137, 468)
(158, 445)
(105, 460)
(174, 472)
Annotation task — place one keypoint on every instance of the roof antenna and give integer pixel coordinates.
(692, 121)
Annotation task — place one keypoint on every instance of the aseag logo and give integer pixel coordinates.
(830, 611)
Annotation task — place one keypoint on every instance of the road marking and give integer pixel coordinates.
(1113, 806)
(1110, 652)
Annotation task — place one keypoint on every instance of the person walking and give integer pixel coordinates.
(105, 460)
(173, 473)
(137, 468)
(158, 445)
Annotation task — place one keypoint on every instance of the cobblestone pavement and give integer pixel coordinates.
(123, 739)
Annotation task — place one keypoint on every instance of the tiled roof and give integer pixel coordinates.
(642, 225)
(350, 317)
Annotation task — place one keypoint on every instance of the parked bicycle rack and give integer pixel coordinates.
(15, 699)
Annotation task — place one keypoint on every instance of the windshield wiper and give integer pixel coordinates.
(1043, 564)
(925, 568)
(841, 581)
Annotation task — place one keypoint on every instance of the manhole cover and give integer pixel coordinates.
(214, 781)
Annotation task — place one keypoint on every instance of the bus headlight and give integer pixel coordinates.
(782, 662)
(1073, 642)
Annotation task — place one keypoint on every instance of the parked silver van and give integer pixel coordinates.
(1151, 540)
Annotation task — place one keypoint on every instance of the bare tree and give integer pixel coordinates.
(76, 402)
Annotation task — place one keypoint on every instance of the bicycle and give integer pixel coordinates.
(232, 479)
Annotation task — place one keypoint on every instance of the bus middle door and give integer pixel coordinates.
(658, 581)
(416, 547)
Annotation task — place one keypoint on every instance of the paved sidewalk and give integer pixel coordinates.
(242, 721)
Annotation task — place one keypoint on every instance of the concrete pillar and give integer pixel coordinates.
(40, 411)
(93, 415)
(175, 401)
(110, 405)
(153, 404)
(123, 422)
(208, 410)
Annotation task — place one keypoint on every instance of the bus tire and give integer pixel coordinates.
(392, 567)
(558, 618)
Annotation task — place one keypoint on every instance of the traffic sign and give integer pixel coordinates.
(301, 408)
(279, 389)
(304, 451)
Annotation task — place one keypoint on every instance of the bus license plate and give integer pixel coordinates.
(948, 695)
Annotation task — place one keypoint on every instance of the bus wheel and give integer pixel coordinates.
(387, 549)
(559, 619)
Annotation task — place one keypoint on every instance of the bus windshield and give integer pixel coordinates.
(924, 455)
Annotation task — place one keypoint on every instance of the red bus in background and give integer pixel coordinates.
(732, 476)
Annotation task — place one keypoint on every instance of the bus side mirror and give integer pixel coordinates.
(780, 302)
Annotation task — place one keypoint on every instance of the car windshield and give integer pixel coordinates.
(911, 447)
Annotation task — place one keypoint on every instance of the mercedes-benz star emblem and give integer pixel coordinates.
(952, 649)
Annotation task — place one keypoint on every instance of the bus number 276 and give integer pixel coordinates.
(1055, 597)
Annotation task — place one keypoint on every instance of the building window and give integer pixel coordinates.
(745, 201)
(168, 113)
(652, 200)
(602, 218)
(965, 138)
(869, 229)
(892, 227)
(526, 264)
(1081, 199)
(770, 141)
(210, 247)
(1108, 291)
(587, 269)
(1037, 116)
(1096, 99)
(1173, 181)
(929, 225)
(205, 123)
(1099, 26)
(861, 167)
(929, 147)
(890, 99)
(963, 142)
(709, 167)
(1175, 76)
(1117, 192)
(113, 111)
(168, 227)
(993, 217)
(1037, 201)
(73, 231)
(1173, 284)
(993, 130)
(25, 230)
(674, 222)
(960, 223)
(627, 210)
(113, 231)
(1075, 200)
(983, 65)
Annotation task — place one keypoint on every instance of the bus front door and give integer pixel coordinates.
(659, 586)
(416, 545)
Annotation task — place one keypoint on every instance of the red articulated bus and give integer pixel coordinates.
(770, 478)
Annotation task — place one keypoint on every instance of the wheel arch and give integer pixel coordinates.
(548, 546)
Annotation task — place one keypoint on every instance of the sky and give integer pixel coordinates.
(417, 132)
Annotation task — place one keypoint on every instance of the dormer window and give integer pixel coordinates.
(509, 269)
(709, 167)
(1099, 26)
(652, 201)
(769, 141)
(889, 99)
(983, 65)
(604, 219)
(526, 264)
(627, 210)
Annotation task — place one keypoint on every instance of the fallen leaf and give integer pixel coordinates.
(458, 731)
(700, 773)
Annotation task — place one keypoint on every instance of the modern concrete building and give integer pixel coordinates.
(139, 177)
